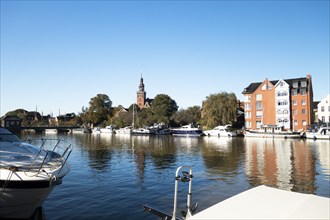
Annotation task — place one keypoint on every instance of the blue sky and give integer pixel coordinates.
(57, 55)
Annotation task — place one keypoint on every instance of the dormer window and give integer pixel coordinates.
(295, 85)
(303, 84)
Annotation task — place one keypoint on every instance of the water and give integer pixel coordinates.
(113, 175)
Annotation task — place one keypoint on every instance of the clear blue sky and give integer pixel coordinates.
(57, 55)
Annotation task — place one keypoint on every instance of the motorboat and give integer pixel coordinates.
(322, 133)
(51, 131)
(108, 129)
(220, 131)
(96, 130)
(187, 130)
(125, 130)
(272, 131)
(261, 202)
(29, 173)
(142, 131)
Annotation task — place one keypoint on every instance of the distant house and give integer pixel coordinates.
(121, 110)
(323, 109)
(12, 123)
(66, 117)
(32, 116)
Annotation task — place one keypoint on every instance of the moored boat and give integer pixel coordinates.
(142, 131)
(108, 129)
(272, 131)
(220, 131)
(190, 130)
(29, 173)
(322, 133)
(125, 130)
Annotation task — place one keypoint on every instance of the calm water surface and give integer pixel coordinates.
(113, 175)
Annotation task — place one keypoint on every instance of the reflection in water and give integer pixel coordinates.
(111, 174)
(286, 164)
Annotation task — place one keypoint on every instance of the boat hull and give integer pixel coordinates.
(22, 203)
(271, 135)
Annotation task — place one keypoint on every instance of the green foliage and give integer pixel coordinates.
(187, 116)
(163, 108)
(99, 109)
(219, 109)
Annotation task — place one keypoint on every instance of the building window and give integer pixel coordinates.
(247, 98)
(259, 97)
(279, 111)
(284, 94)
(304, 122)
(323, 118)
(259, 114)
(328, 108)
(247, 106)
(303, 84)
(295, 122)
(258, 123)
(295, 85)
(322, 108)
(247, 114)
(303, 111)
(303, 102)
(303, 91)
(294, 112)
(294, 92)
(285, 112)
(258, 105)
(294, 102)
(248, 124)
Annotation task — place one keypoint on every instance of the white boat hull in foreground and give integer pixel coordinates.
(264, 202)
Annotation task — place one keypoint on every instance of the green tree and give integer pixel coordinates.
(187, 116)
(99, 109)
(219, 109)
(163, 108)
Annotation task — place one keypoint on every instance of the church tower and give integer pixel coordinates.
(141, 95)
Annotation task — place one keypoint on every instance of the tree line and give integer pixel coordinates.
(217, 109)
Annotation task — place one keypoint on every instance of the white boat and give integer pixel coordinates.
(108, 129)
(187, 130)
(96, 130)
(142, 131)
(261, 202)
(220, 131)
(80, 130)
(322, 133)
(125, 130)
(29, 173)
(272, 131)
(51, 131)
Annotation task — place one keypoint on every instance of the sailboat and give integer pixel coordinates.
(140, 131)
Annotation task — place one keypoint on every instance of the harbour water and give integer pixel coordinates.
(113, 175)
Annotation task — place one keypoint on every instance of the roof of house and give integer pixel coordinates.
(253, 86)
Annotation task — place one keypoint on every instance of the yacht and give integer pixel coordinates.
(220, 131)
(322, 132)
(29, 173)
(187, 130)
(108, 129)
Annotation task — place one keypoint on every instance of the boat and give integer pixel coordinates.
(82, 130)
(125, 130)
(272, 131)
(161, 129)
(142, 131)
(51, 131)
(261, 202)
(322, 133)
(29, 173)
(96, 130)
(108, 129)
(190, 130)
(220, 131)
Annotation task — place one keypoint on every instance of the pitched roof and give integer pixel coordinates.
(253, 86)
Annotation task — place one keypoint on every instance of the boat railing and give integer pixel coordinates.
(61, 149)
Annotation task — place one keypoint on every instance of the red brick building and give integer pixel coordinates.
(284, 103)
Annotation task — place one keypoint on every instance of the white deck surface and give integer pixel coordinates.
(264, 202)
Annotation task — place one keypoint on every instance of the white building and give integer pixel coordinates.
(323, 110)
(282, 105)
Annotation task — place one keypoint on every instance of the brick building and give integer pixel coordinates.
(286, 103)
(141, 100)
